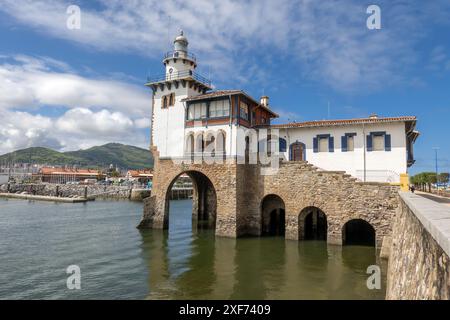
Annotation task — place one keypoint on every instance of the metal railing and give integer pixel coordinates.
(180, 55)
(179, 75)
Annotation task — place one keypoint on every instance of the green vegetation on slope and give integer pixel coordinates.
(117, 154)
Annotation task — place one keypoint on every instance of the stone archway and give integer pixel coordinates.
(204, 200)
(272, 216)
(312, 224)
(358, 232)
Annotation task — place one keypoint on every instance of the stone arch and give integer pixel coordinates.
(312, 224)
(358, 232)
(204, 206)
(273, 219)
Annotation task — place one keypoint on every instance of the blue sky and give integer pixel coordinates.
(71, 89)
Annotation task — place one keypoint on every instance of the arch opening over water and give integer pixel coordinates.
(312, 224)
(272, 216)
(358, 232)
(204, 198)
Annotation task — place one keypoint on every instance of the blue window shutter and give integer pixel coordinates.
(369, 143)
(331, 144)
(315, 145)
(387, 142)
(344, 143)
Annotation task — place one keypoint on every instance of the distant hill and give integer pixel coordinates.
(120, 155)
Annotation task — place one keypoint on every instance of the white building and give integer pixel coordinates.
(189, 118)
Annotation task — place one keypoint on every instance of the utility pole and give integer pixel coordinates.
(436, 162)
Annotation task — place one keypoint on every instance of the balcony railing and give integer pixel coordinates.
(180, 55)
(179, 75)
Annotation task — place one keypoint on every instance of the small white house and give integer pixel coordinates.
(188, 118)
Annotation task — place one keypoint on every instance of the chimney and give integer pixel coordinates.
(265, 101)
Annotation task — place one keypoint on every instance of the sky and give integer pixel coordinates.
(69, 88)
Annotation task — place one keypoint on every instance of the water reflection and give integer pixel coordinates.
(186, 264)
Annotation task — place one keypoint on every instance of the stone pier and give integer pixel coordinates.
(236, 197)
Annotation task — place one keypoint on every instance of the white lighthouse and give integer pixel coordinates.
(179, 81)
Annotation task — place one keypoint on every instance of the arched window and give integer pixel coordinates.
(189, 150)
(210, 145)
(297, 152)
(220, 143)
(199, 143)
(283, 145)
(164, 102)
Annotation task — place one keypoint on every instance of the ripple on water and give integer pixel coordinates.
(40, 240)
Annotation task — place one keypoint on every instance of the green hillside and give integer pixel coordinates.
(117, 154)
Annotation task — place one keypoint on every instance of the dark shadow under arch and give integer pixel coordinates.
(204, 200)
(358, 232)
(272, 216)
(312, 224)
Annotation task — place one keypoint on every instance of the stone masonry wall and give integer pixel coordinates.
(418, 266)
(240, 190)
(223, 179)
(337, 194)
(67, 190)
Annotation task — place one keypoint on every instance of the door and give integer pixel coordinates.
(297, 151)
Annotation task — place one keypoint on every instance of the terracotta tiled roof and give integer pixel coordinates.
(213, 94)
(325, 123)
(140, 173)
(63, 171)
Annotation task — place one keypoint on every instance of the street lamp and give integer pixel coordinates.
(436, 161)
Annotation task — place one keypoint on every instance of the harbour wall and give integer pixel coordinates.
(419, 263)
(69, 191)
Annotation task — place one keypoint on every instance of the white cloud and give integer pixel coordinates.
(78, 128)
(84, 122)
(95, 111)
(324, 40)
(142, 123)
(31, 82)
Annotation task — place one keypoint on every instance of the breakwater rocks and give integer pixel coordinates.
(76, 191)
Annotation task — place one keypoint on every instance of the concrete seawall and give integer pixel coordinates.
(419, 263)
(42, 198)
(75, 191)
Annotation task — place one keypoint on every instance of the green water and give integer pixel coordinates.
(39, 240)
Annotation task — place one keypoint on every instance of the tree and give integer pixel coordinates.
(444, 177)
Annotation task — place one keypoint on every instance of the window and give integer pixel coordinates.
(168, 100)
(197, 111)
(378, 143)
(283, 145)
(323, 144)
(243, 110)
(350, 143)
(219, 108)
(172, 99)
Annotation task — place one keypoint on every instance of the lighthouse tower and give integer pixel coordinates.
(179, 81)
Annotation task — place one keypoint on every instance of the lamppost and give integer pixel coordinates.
(436, 162)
